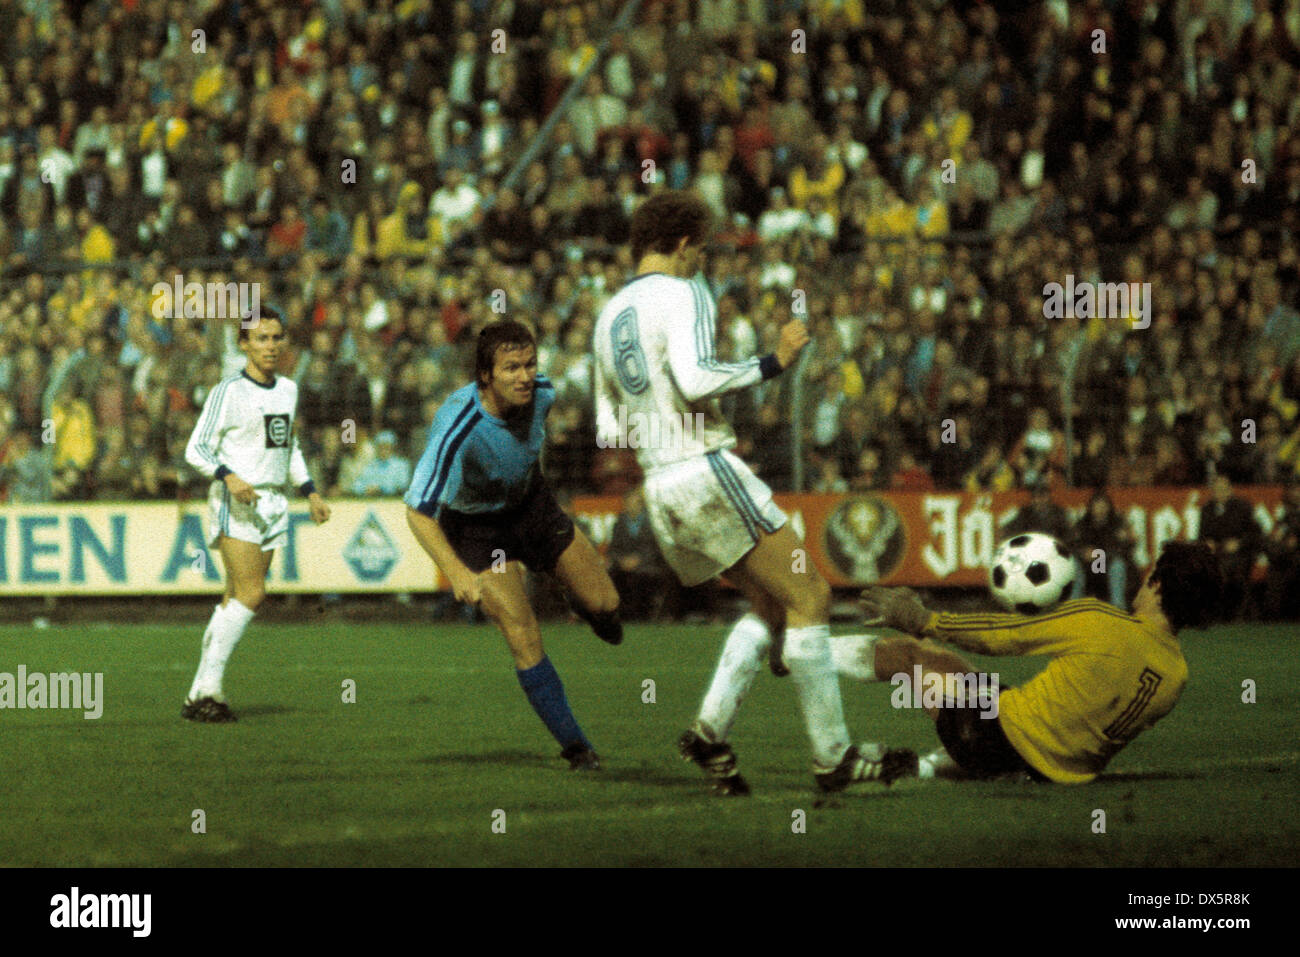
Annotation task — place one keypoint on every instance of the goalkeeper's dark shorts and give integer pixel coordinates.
(978, 744)
(535, 532)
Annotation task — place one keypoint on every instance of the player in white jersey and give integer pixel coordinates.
(658, 378)
(244, 441)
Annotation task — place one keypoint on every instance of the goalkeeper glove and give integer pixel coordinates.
(896, 608)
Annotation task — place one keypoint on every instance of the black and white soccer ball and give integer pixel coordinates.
(1031, 573)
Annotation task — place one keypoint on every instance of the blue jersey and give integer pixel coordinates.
(475, 462)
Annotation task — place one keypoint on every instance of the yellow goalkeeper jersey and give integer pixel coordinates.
(1111, 677)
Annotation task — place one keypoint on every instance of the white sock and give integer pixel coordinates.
(938, 764)
(855, 656)
(226, 632)
(808, 655)
(741, 660)
(195, 685)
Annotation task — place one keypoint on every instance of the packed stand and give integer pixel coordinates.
(907, 180)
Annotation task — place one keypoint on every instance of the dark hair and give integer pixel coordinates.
(660, 222)
(265, 312)
(1191, 584)
(505, 332)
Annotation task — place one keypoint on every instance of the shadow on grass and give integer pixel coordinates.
(644, 774)
(476, 758)
(657, 777)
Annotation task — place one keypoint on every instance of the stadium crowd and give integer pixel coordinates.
(907, 179)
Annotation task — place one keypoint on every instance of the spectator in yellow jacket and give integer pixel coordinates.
(818, 177)
(410, 231)
(894, 217)
(74, 431)
(97, 245)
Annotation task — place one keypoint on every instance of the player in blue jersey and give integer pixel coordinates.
(479, 506)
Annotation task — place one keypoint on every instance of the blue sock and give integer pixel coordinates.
(546, 694)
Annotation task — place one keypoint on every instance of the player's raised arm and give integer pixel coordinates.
(691, 355)
(1073, 626)
(1066, 628)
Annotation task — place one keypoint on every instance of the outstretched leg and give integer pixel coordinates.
(901, 655)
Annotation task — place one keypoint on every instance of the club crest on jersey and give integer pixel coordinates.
(277, 430)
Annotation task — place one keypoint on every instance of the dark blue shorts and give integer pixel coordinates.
(535, 532)
(979, 745)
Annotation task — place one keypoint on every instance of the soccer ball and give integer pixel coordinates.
(1031, 573)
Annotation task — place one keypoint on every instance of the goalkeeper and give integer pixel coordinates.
(1112, 675)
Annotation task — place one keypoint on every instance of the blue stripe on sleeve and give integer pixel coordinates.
(450, 460)
(442, 448)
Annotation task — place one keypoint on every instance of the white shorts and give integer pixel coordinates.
(707, 513)
(265, 522)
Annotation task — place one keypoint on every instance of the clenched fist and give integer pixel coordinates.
(794, 336)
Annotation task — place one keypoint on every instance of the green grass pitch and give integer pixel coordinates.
(440, 737)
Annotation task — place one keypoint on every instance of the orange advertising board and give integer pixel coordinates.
(947, 538)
